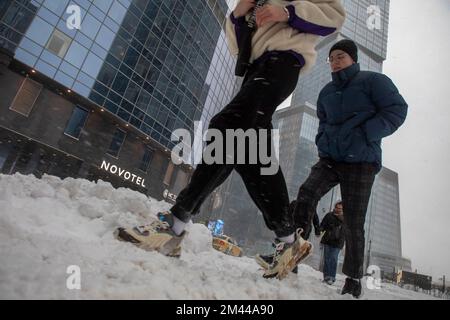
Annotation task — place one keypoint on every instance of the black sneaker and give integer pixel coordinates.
(352, 287)
(266, 261)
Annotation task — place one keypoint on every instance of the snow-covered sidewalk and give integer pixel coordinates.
(49, 224)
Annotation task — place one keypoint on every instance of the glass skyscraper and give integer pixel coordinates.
(147, 67)
(383, 225)
(145, 61)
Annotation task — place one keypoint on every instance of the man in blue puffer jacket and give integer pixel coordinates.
(356, 110)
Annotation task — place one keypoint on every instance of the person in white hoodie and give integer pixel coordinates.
(283, 39)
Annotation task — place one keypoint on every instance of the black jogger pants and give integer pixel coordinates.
(266, 85)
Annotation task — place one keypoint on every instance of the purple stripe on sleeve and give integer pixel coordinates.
(237, 23)
(307, 27)
(237, 20)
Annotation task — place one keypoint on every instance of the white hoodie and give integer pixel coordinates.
(309, 19)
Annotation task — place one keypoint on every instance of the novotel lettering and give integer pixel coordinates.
(123, 173)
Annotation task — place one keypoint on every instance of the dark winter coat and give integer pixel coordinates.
(334, 233)
(356, 110)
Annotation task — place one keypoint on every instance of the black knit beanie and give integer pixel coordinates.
(347, 46)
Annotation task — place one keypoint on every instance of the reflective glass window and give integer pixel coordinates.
(146, 159)
(92, 65)
(90, 26)
(18, 18)
(39, 31)
(58, 7)
(76, 122)
(103, 5)
(76, 54)
(116, 143)
(105, 37)
(117, 12)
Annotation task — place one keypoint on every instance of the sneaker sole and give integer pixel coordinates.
(171, 248)
(304, 254)
(265, 265)
(121, 235)
(301, 255)
(262, 263)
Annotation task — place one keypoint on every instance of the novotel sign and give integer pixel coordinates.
(107, 166)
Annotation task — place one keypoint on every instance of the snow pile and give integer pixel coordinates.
(49, 224)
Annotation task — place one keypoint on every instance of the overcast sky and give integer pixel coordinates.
(418, 63)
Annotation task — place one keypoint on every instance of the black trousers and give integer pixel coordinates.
(266, 85)
(356, 182)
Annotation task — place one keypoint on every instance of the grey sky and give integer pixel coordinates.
(417, 61)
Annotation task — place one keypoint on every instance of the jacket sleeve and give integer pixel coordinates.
(232, 31)
(316, 222)
(391, 109)
(324, 225)
(322, 119)
(320, 17)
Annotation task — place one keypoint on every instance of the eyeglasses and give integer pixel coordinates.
(338, 57)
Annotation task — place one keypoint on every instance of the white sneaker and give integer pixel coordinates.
(288, 256)
(156, 236)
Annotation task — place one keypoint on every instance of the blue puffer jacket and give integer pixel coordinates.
(356, 110)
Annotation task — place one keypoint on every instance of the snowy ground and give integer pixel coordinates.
(49, 224)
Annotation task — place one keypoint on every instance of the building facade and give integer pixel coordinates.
(383, 227)
(95, 88)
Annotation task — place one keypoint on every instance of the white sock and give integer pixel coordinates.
(178, 226)
(288, 239)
